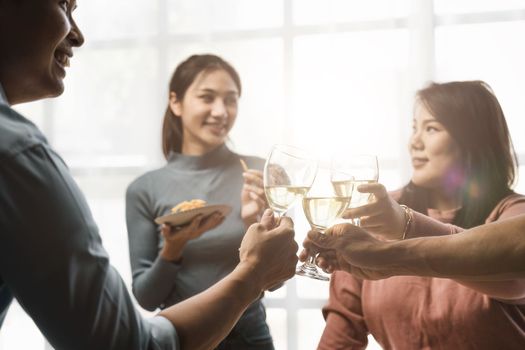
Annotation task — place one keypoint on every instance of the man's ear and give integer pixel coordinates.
(175, 104)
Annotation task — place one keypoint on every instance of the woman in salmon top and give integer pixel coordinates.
(463, 168)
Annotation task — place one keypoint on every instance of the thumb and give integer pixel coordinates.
(324, 240)
(165, 230)
(375, 188)
(268, 220)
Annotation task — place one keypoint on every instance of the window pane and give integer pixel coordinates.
(520, 186)
(203, 16)
(276, 319)
(310, 325)
(311, 289)
(276, 294)
(487, 52)
(463, 6)
(261, 110)
(117, 19)
(19, 331)
(110, 112)
(373, 344)
(391, 178)
(329, 11)
(350, 92)
(33, 111)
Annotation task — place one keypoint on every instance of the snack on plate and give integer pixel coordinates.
(187, 205)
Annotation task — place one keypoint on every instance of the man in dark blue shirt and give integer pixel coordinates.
(51, 257)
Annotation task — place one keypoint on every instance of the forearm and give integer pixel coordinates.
(172, 252)
(205, 319)
(153, 276)
(425, 226)
(508, 290)
(486, 253)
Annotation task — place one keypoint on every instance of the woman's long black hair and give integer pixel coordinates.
(472, 115)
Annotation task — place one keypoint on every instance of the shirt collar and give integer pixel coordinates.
(3, 98)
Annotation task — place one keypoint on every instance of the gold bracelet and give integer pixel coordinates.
(409, 217)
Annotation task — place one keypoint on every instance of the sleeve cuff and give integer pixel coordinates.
(161, 274)
(164, 268)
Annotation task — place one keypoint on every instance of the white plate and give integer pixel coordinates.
(184, 217)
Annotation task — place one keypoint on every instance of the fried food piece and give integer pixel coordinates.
(187, 205)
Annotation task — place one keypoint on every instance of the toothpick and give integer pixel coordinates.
(244, 165)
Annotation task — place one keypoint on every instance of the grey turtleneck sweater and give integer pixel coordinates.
(216, 178)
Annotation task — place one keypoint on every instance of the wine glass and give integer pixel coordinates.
(350, 171)
(322, 207)
(288, 174)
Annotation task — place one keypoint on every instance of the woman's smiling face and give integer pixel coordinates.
(436, 156)
(208, 110)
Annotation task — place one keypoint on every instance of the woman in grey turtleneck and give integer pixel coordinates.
(173, 264)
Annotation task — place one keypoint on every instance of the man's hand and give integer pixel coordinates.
(349, 248)
(269, 250)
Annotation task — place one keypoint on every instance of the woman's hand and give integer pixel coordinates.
(175, 238)
(384, 216)
(253, 199)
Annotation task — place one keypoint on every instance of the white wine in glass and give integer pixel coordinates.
(288, 175)
(348, 172)
(280, 198)
(349, 188)
(321, 212)
(322, 207)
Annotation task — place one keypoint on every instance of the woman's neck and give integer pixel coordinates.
(443, 201)
(197, 149)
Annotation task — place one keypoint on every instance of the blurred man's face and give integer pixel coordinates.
(36, 41)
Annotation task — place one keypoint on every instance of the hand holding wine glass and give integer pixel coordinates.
(383, 216)
(349, 248)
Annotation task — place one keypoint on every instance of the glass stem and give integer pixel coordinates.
(278, 215)
(311, 260)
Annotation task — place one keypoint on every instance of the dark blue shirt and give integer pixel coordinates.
(51, 256)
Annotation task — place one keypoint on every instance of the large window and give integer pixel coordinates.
(335, 73)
